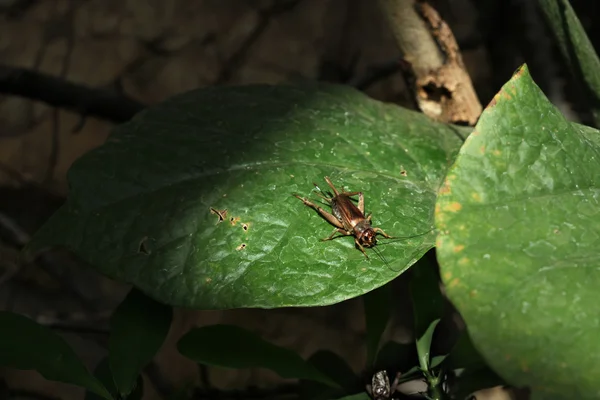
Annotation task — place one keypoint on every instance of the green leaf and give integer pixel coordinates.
(230, 346)
(436, 361)
(27, 345)
(104, 375)
(518, 247)
(139, 207)
(577, 50)
(378, 308)
(138, 329)
(427, 300)
(424, 346)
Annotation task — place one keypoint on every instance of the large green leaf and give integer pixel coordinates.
(139, 207)
(25, 344)
(518, 244)
(230, 346)
(138, 328)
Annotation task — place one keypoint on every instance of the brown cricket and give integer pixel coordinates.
(348, 219)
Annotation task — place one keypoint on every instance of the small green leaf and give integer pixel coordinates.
(577, 50)
(138, 329)
(191, 201)
(437, 360)
(104, 375)
(378, 308)
(518, 244)
(427, 300)
(233, 347)
(424, 346)
(27, 345)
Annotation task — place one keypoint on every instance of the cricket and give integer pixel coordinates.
(348, 219)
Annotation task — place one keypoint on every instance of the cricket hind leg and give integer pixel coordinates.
(328, 216)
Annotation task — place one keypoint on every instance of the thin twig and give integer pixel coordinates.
(59, 92)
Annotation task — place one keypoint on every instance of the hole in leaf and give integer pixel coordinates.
(241, 247)
(222, 214)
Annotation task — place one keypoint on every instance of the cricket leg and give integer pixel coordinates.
(331, 186)
(360, 247)
(329, 217)
(340, 231)
(385, 235)
(321, 195)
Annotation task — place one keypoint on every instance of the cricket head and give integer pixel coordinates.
(367, 237)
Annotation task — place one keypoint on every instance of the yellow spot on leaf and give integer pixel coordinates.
(445, 189)
(473, 293)
(476, 196)
(459, 248)
(453, 207)
(454, 282)
(482, 149)
(464, 261)
(447, 275)
(496, 152)
(208, 280)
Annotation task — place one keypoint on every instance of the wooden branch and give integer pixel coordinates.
(442, 87)
(61, 93)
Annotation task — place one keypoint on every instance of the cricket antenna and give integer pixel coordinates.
(398, 238)
(380, 255)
